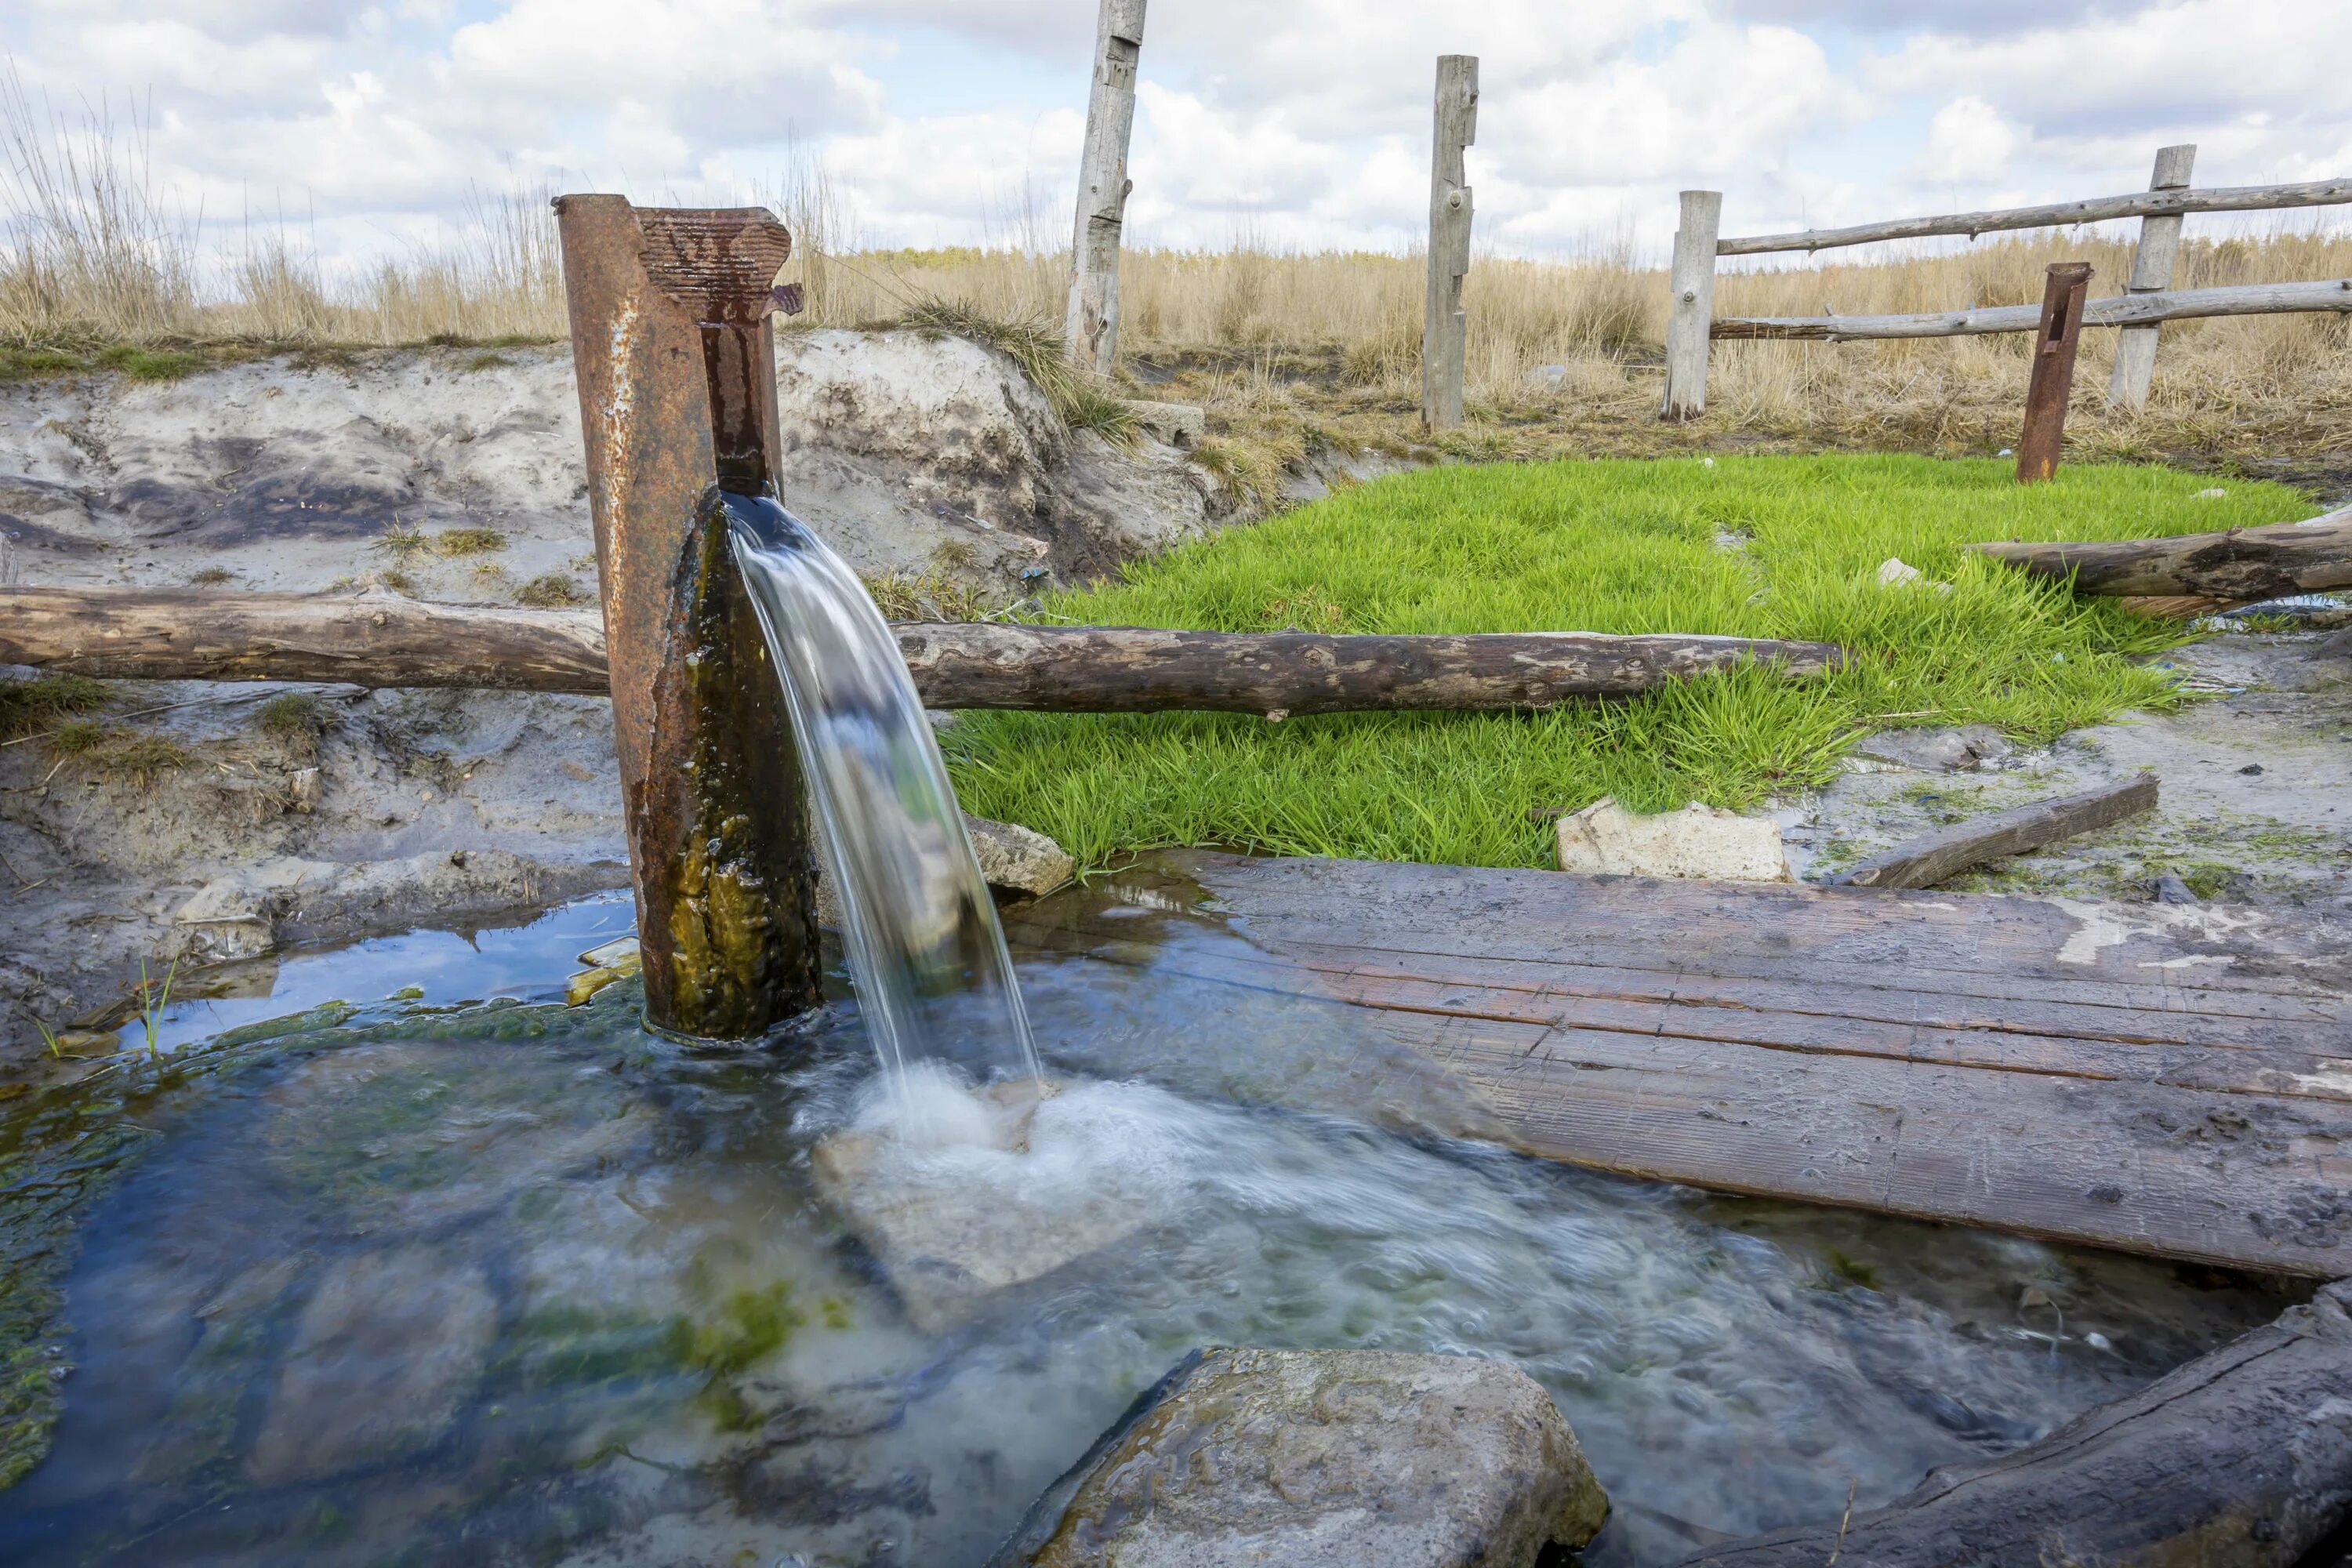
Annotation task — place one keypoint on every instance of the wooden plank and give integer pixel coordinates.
(1691, 313)
(2238, 566)
(2113, 310)
(1445, 328)
(2242, 1456)
(2299, 1069)
(2055, 215)
(2183, 1173)
(2237, 963)
(1933, 858)
(1090, 327)
(2098, 1099)
(2152, 273)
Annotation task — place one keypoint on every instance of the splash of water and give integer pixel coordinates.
(925, 947)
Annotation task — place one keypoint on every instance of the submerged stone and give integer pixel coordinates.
(1366, 1458)
(385, 1355)
(608, 965)
(954, 1224)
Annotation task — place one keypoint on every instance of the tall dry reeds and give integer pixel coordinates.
(96, 253)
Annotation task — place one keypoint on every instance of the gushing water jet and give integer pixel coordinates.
(753, 674)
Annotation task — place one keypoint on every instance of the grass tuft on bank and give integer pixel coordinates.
(1762, 546)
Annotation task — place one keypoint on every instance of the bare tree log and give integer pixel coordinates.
(372, 639)
(2240, 1459)
(2057, 215)
(382, 640)
(1112, 668)
(1924, 861)
(2235, 567)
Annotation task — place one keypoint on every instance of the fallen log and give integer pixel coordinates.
(1924, 861)
(1130, 669)
(2210, 569)
(385, 640)
(2240, 1459)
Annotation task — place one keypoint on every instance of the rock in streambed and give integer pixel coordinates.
(1366, 1458)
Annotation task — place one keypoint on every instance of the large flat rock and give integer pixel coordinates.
(1362, 1458)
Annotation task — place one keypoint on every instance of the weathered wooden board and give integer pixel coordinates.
(2164, 1080)
(1938, 856)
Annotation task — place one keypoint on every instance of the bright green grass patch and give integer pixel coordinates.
(1778, 547)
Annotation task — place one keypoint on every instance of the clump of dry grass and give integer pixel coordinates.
(459, 542)
(297, 719)
(32, 704)
(931, 596)
(1076, 396)
(103, 751)
(551, 590)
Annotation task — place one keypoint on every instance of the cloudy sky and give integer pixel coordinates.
(1299, 123)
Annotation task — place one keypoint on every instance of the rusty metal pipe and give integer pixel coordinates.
(2052, 385)
(675, 363)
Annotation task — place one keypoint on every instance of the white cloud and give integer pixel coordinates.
(1969, 144)
(1303, 123)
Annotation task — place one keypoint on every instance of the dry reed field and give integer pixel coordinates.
(1284, 350)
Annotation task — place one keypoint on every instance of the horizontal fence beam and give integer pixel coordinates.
(2115, 311)
(2057, 215)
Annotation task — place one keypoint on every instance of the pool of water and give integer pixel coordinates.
(470, 1277)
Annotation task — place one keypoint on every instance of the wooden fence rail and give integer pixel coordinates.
(2113, 311)
(2056, 214)
(2146, 301)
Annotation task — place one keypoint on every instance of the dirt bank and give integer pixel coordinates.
(209, 823)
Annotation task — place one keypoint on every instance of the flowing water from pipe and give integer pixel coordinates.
(924, 943)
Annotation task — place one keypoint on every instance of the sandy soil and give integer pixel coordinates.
(2254, 790)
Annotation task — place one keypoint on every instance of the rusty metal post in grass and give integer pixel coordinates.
(676, 363)
(2052, 383)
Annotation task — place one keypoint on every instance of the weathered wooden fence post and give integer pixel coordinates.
(2160, 243)
(1091, 327)
(1692, 317)
(2052, 383)
(1444, 332)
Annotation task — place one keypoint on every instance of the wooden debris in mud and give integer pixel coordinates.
(1930, 858)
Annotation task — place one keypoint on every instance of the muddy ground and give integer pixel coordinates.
(213, 825)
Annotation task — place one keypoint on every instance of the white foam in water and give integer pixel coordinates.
(1080, 1145)
(925, 947)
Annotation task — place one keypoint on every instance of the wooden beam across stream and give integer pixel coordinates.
(2169, 1080)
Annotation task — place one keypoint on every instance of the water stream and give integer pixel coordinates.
(921, 929)
(465, 1276)
(478, 1279)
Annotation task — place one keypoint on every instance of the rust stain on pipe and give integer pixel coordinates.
(675, 366)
